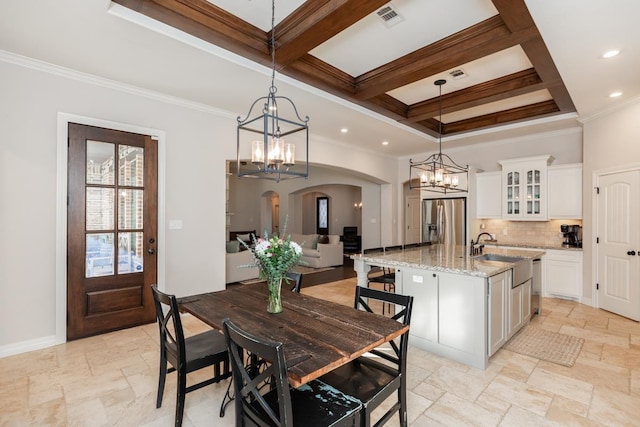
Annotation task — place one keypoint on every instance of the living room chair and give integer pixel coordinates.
(313, 404)
(375, 376)
(296, 278)
(186, 355)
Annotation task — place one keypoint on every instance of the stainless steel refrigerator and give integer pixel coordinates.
(444, 221)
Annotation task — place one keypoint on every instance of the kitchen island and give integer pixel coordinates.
(464, 308)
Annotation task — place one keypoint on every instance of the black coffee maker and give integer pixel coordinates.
(572, 236)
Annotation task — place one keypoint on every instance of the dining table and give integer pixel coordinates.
(318, 335)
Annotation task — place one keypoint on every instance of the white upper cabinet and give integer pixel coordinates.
(565, 191)
(489, 195)
(524, 188)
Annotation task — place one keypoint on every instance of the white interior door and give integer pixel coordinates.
(412, 220)
(619, 242)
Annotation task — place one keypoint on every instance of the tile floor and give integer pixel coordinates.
(111, 380)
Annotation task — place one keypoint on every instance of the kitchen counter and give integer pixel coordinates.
(444, 258)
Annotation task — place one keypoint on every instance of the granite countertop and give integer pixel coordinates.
(532, 245)
(447, 258)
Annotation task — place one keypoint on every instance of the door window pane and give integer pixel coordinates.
(99, 255)
(100, 163)
(130, 257)
(100, 208)
(130, 208)
(130, 166)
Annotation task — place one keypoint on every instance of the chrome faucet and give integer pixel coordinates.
(475, 248)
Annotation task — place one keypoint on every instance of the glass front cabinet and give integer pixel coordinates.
(524, 188)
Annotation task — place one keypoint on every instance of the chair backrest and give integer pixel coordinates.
(247, 383)
(171, 334)
(296, 278)
(403, 315)
(350, 231)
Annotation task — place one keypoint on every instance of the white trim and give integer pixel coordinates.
(61, 207)
(26, 346)
(610, 110)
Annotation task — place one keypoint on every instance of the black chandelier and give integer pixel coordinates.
(438, 173)
(273, 158)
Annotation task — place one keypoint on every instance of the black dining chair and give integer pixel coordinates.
(388, 277)
(313, 404)
(370, 379)
(296, 278)
(186, 355)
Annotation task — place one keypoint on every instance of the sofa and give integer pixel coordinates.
(320, 251)
(238, 255)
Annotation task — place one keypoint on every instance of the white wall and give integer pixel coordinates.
(610, 141)
(197, 148)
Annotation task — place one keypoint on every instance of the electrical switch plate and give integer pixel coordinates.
(505, 231)
(417, 279)
(175, 224)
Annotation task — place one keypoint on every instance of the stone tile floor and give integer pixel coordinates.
(111, 380)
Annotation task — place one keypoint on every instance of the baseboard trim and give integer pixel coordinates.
(27, 346)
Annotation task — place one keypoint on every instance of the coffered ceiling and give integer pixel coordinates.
(385, 56)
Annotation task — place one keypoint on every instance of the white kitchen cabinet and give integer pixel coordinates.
(489, 195)
(519, 308)
(565, 191)
(449, 315)
(526, 301)
(524, 188)
(499, 287)
(563, 273)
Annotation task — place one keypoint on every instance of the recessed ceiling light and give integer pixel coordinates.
(344, 130)
(385, 142)
(610, 53)
(615, 94)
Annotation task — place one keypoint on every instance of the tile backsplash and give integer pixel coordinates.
(545, 233)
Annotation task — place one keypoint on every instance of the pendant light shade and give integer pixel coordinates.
(439, 173)
(270, 136)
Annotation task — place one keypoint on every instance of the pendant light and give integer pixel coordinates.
(438, 173)
(271, 157)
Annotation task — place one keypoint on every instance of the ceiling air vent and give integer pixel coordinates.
(389, 15)
(458, 73)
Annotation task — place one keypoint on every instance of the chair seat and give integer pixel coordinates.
(362, 378)
(204, 349)
(317, 404)
(383, 278)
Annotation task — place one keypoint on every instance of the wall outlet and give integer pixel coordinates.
(417, 278)
(505, 231)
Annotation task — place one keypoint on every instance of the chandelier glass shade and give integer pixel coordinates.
(265, 131)
(438, 172)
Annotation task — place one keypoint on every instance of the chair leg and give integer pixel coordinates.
(402, 397)
(181, 392)
(223, 405)
(162, 376)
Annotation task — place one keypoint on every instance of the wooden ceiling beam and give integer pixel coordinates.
(315, 22)
(527, 112)
(515, 84)
(478, 41)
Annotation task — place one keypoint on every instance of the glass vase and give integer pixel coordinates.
(274, 304)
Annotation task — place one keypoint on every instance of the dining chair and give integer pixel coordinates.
(186, 355)
(296, 278)
(370, 379)
(388, 276)
(313, 404)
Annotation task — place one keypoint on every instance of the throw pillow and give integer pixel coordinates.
(233, 246)
(244, 237)
(314, 245)
(324, 239)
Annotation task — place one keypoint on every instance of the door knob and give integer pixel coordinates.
(631, 252)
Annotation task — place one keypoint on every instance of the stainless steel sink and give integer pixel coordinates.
(497, 257)
(522, 267)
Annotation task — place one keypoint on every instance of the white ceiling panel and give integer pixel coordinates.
(494, 107)
(369, 43)
(258, 12)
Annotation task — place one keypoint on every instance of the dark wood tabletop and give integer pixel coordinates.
(318, 335)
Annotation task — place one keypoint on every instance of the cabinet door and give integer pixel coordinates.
(423, 286)
(565, 192)
(515, 311)
(489, 195)
(563, 277)
(462, 321)
(497, 310)
(526, 302)
(533, 188)
(512, 194)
